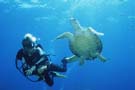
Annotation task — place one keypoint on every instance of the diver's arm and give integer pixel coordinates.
(41, 59)
(42, 54)
(24, 63)
(19, 56)
(33, 68)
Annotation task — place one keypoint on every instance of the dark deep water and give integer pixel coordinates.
(48, 18)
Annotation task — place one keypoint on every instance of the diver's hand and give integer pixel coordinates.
(40, 70)
(29, 71)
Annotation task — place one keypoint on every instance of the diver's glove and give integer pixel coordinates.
(30, 71)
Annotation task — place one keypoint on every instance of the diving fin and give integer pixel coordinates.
(56, 74)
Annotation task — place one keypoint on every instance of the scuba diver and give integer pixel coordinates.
(36, 62)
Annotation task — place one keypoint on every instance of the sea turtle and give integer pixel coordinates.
(84, 43)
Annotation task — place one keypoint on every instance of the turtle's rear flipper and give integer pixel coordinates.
(82, 61)
(102, 58)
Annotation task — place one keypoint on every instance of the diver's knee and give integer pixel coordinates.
(64, 61)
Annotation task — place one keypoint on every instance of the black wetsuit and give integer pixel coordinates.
(35, 57)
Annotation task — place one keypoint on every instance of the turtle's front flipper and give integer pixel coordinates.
(102, 58)
(94, 31)
(76, 25)
(64, 35)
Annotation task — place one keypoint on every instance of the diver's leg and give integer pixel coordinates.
(48, 78)
(59, 68)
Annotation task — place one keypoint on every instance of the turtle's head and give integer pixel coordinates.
(76, 25)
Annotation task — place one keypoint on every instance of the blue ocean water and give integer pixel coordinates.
(46, 19)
